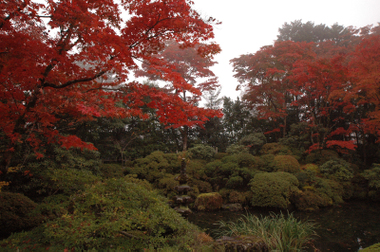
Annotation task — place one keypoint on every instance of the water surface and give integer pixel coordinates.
(348, 227)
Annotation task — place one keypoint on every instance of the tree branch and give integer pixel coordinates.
(72, 82)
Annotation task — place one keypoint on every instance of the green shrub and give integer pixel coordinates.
(201, 151)
(273, 189)
(307, 200)
(237, 197)
(213, 167)
(373, 248)
(224, 192)
(233, 158)
(254, 141)
(16, 213)
(220, 155)
(266, 163)
(236, 148)
(275, 149)
(286, 163)
(51, 181)
(235, 182)
(78, 159)
(132, 178)
(196, 169)
(155, 166)
(311, 167)
(337, 169)
(226, 170)
(246, 160)
(111, 171)
(235, 170)
(167, 184)
(321, 157)
(200, 185)
(373, 176)
(306, 178)
(277, 232)
(208, 201)
(113, 214)
(49, 175)
(329, 190)
(54, 206)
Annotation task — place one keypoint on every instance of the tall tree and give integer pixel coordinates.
(310, 81)
(213, 132)
(55, 54)
(264, 77)
(309, 32)
(361, 96)
(189, 64)
(236, 118)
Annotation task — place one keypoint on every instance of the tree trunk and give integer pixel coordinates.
(184, 131)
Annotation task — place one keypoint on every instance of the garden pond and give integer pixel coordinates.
(348, 227)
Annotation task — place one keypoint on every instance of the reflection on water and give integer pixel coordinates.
(347, 227)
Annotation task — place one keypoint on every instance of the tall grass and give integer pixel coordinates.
(278, 232)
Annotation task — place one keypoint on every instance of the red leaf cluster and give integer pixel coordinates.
(72, 59)
(333, 85)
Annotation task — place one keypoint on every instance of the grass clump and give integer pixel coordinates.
(277, 232)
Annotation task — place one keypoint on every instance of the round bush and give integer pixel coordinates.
(237, 197)
(16, 213)
(254, 141)
(275, 149)
(307, 200)
(373, 248)
(208, 201)
(286, 163)
(155, 166)
(311, 167)
(235, 182)
(202, 186)
(201, 151)
(246, 160)
(266, 163)
(330, 190)
(373, 177)
(337, 169)
(236, 148)
(273, 189)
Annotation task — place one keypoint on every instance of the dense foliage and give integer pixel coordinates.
(114, 214)
(58, 71)
(91, 161)
(321, 76)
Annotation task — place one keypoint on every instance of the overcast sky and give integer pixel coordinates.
(248, 25)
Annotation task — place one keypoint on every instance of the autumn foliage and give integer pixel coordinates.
(331, 84)
(65, 62)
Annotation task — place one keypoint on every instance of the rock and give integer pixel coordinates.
(184, 211)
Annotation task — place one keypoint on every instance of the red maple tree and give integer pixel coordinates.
(72, 59)
(332, 85)
(192, 67)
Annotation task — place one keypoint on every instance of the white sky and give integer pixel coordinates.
(248, 25)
